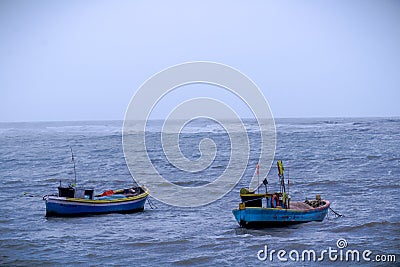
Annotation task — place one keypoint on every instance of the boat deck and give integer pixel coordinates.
(299, 206)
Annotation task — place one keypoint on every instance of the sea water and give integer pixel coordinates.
(354, 163)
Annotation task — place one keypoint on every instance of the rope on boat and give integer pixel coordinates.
(151, 204)
(26, 194)
(337, 214)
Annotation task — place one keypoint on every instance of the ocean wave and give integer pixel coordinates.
(330, 122)
(373, 157)
(206, 246)
(192, 183)
(218, 166)
(349, 229)
(392, 120)
(363, 129)
(321, 182)
(363, 123)
(339, 159)
(193, 261)
(386, 186)
(158, 242)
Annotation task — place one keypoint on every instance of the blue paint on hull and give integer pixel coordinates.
(64, 207)
(264, 217)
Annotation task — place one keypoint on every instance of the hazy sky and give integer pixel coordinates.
(83, 60)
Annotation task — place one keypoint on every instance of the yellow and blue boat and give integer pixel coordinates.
(76, 201)
(72, 201)
(276, 209)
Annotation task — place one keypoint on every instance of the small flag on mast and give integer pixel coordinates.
(280, 167)
(72, 156)
(258, 168)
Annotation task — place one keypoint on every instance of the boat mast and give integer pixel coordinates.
(258, 177)
(288, 182)
(73, 160)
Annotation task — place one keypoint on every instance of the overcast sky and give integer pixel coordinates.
(83, 60)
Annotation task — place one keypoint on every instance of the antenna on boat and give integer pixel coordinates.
(258, 177)
(288, 182)
(73, 160)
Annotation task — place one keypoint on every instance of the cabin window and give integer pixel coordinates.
(89, 193)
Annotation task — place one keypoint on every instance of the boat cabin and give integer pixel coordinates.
(266, 200)
(75, 192)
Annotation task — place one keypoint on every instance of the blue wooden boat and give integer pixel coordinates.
(72, 201)
(249, 216)
(76, 201)
(276, 209)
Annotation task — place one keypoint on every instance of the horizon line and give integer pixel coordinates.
(245, 118)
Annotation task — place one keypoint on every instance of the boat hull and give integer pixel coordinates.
(61, 206)
(250, 217)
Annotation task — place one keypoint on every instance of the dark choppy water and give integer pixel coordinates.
(355, 163)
